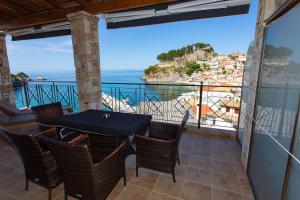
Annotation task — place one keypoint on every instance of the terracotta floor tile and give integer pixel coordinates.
(198, 175)
(131, 192)
(116, 191)
(222, 156)
(195, 191)
(224, 167)
(180, 171)
(11, 179)
(240, 170)
(166, 185)
(185, 149)
(184, 159)
(5, 170)
(226, 182)
(4, 196)
(158, 196)
(200, 162)
(218, 194)
(245, 185)
(246, 197)
(146, 179)
(131, 160)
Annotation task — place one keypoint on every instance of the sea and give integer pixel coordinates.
(120, 84)
(120, 76)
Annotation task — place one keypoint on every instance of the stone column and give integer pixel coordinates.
(84, 28)
(6, 86)
(265, 9)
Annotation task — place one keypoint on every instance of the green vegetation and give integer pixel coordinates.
(224, 71)
(172, 54)
(188, 69)
(232, 57)
(21, 76)
(151, 70)
(192, 67)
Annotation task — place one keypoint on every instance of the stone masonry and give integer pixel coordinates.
(265, 10)
(84, 28)
(6, 86)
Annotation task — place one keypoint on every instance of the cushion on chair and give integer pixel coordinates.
(21, 119)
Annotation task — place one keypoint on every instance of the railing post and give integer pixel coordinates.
(25, 86)
(200, 104)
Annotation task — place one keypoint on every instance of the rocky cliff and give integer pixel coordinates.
(177, 64)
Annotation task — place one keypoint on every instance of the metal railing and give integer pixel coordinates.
(210, 106)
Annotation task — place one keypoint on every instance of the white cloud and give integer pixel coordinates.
(63, 47)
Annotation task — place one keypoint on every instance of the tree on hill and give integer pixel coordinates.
(189, 49)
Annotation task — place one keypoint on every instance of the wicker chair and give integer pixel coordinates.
(50, 115)
(39, 163)
(159, 151)
(89, 172)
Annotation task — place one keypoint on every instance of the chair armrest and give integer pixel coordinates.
(113, 165)
(155, 147)
(163, 130)
(48, 133)
(81, 139)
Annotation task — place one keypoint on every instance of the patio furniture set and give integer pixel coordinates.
(87, 150)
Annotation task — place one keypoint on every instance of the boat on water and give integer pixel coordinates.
(40, 78)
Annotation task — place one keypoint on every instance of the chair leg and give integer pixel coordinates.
(49, 194)
(66, 196)
(26, 184)
(173, 176)
(136, 171)
(124, 179)
(178, 158)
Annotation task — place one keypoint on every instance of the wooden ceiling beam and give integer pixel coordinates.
(44, 3)
(95, 8)
(11, 7)
(81, 2)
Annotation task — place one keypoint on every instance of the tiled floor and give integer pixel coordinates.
(210, 170)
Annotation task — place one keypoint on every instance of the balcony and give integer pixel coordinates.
(210, 169)
(210, 106)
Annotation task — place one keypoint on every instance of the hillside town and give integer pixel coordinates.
(197, 63)
(222, 70)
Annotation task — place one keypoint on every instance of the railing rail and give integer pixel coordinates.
(209, 105)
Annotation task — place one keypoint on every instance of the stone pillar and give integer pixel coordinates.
(84, 28)
(6, 86)
(265, 9)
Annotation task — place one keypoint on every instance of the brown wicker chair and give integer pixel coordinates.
(50, 115)
(39, 163)
(89, 172)
(159, 151)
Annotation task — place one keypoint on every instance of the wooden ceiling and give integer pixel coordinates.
(15, 14)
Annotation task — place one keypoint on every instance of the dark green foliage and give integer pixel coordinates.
(232, 57)
(151, 70)
(192, 67)
(172, 54)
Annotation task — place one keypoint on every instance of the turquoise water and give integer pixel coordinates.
(134, 93)
(128, 76)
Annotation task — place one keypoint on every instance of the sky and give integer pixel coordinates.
(136, 48)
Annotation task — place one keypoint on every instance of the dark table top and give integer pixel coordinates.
(117, 124)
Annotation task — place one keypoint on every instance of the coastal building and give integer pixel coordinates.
(268, 124)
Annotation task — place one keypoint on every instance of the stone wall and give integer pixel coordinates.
(6, 86)
(251, 74)
(84, 27)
